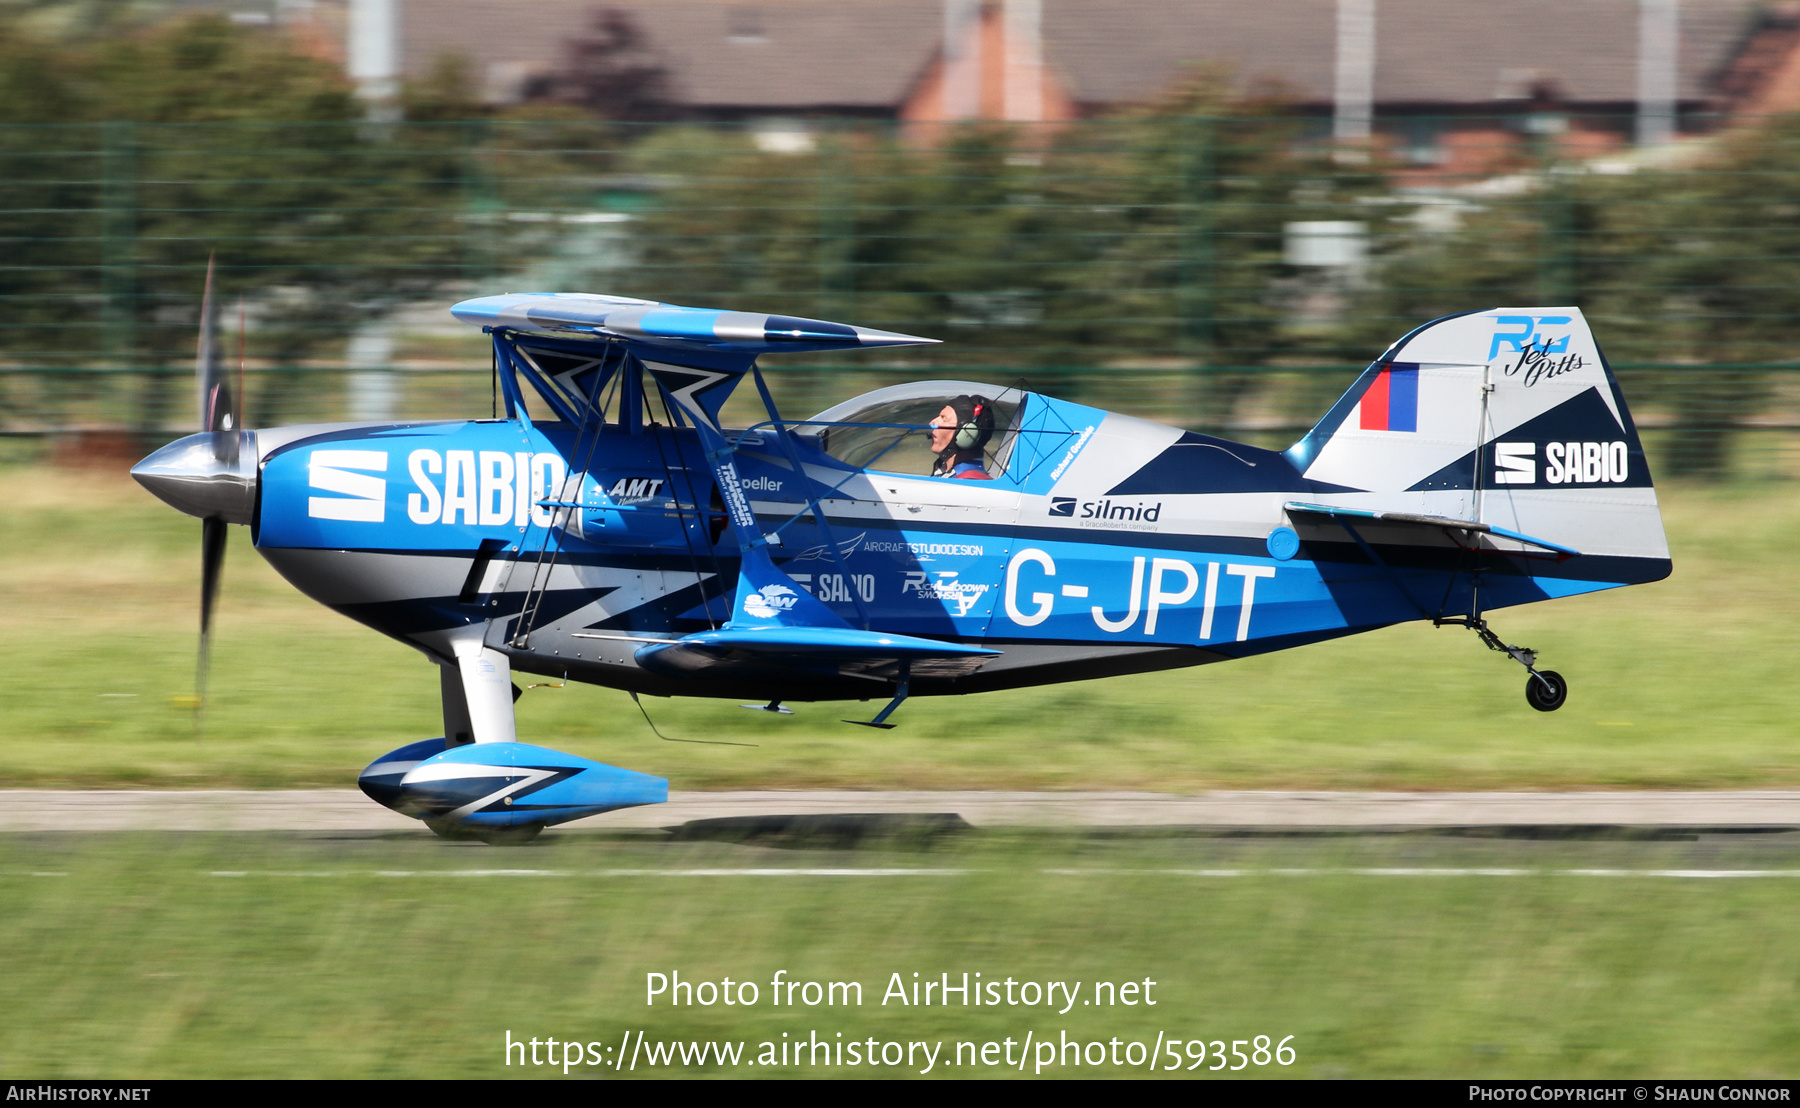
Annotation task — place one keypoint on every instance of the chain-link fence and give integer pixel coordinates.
(1229, 273)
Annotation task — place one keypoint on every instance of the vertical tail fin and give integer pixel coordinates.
(1508, 416)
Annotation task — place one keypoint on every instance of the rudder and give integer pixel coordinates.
(1508, 416)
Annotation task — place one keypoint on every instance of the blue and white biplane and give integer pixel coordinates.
(927, 539)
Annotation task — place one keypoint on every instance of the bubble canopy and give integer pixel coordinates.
(895, 435)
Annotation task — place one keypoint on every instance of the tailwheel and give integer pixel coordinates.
(1546, 690)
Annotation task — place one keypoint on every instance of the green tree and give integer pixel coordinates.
(1150, 236)
(1694, 265)
(249, 150)
(195, 138)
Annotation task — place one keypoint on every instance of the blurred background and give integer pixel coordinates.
(1208, 212)
(1198, 211)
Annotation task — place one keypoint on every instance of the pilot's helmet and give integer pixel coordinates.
(974, 423)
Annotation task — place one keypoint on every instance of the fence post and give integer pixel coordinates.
(837, 226)
(118, 260)
(1195, 299)
(1556, 222)
(482, 209)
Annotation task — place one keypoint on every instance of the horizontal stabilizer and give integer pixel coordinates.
(818, 649)
(1432, 522)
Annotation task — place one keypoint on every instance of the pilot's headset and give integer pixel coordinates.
(975, 423)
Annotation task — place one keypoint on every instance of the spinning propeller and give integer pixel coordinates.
(220, 418)
(211, 475)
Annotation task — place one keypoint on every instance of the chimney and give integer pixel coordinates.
(374, 54)
(1353, 110)
(1024, 93)
(1659, 40)
(962, 59)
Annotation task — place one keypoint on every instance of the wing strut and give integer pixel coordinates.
(812, 501)
(777, 628)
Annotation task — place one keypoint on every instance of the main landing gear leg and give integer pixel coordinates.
(486, 708)
(1545, 689)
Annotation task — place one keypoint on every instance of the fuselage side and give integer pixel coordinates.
(1106, 545)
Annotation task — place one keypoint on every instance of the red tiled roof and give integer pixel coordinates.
(796, 54)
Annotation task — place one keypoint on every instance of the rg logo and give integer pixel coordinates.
(1527, 335)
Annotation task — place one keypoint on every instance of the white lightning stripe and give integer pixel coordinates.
(463, 771)
(687, 396)
(380, 769)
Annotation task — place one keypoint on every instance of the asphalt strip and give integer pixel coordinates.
(348, 810)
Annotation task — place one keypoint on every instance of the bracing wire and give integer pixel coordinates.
(667, 739)
(692, 495)
(534, 597)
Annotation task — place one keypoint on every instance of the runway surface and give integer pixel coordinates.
(24, 810)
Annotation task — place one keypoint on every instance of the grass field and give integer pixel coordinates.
(393, 956)
(206, 955)
(1689, 682)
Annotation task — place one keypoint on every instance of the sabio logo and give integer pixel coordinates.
(362, 497)
(1565, 463)
(1586, 463)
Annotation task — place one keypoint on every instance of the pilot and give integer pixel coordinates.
(959, 434)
